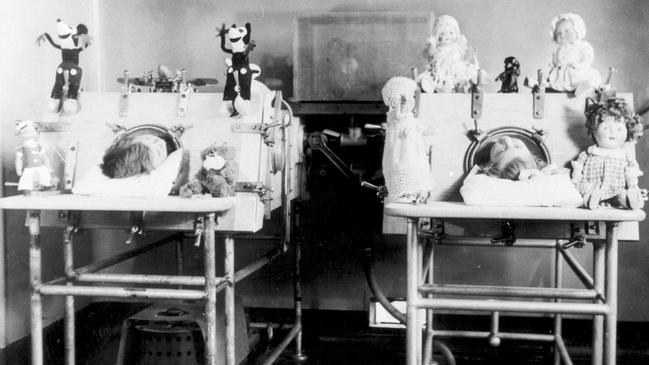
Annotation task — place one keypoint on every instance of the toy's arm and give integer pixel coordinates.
(632, 171)
(19, 162)
(41, 38)
(578, 167)
(221, 34)
(84, 41)
(249, 47)
(586, 55)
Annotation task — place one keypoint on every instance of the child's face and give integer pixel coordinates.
(506, 149)
(565, 32)
(446, 35)
(611, 133)
(157, 147)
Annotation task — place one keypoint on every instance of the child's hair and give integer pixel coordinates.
(616, 107)
(125, 158)
(512, 169)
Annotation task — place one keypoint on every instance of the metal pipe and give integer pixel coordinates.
(257, 264)
(512, 306)
(68, 258)
(210, 289)
(145, 279)
(610, 334)
(502, 335)
(598, 321)
(558, 283)
(563, 351)
(576, 267)
(115, 292)
(36, 323)
(179, 257)
(494, 335)
(113, 260)
(229, 301)
(297, 299)
(428, 270)
(282, 345)
(484, 241)
(412, 324)
(507, 291)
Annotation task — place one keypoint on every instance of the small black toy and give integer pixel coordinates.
(509, 77)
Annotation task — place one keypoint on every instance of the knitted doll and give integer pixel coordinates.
(452, 64)
(509, 158)
(32, 164)
(572, 60)
(607, 172)
(405, 167)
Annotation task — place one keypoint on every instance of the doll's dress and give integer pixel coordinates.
(35, 172)
(572, 65)
(451, 69)
(606, 169)
(405, 167)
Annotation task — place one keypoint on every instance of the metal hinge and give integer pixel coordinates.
(258, 187)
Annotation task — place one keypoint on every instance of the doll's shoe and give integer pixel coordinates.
(70, 106)
(594, 199)
(244, 107)
(635, 199)
(226, 108)
(53, 105)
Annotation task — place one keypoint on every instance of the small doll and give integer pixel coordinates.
(509, 77)
(133, 155)
(240, 72)
(572, 60)
(509, 158)
(73, 41)
(452, 65)
(405, 166)
(607, 172)
(32, 164)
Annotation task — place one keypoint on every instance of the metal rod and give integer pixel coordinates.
(576, 267)
(507, 291)
(297, 298)
(598, 321)
(558, 283)
(282, 345)
(610, 335)
(257, 264)
(412, 325)
(68, 258)
(563, 351)
(229, 301)
(210, 289)
(113, 260)
(502, 335)
(36, 323)
(484, 241)
(494, 336)
(428, 269)
(512, 306)
(115, 292)
(179, 257)
(144, 279)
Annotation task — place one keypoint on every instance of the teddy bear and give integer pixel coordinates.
(216, 175)
(68, 73)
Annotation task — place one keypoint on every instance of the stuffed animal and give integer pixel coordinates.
(133, 155)
(32, 164)
(216, 175)
(240, 72)
(68, 74)
(509, 77)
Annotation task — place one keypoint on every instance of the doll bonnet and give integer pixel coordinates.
(446, 20)
(576, 20)
(397, 87)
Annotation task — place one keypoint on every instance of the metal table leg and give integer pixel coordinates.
(413, 349)
(598, 285)
(558, 283)
(229, 301)
(297, 285)
(210, 289)
(611, 293)
(68, 257)
(33, 222)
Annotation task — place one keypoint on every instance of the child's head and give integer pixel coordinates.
(567, 28)
(611, 123)
(130, 156)
(509, 156)
(446, 31)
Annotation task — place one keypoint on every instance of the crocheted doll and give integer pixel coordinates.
(405, 167)
(572, 60)
(32, 164)
(509, 158)
(607, 172)
(452, 64)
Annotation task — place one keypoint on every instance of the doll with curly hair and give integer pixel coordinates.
(606, 172)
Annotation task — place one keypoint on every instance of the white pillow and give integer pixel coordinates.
(543, 190)
(157, 183)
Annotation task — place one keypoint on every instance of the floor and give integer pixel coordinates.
(343, 338)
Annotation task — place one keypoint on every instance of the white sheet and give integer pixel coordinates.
(541, 191)
(157, 183)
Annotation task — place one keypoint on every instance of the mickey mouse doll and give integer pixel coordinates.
(73, 41)
(240, 71)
